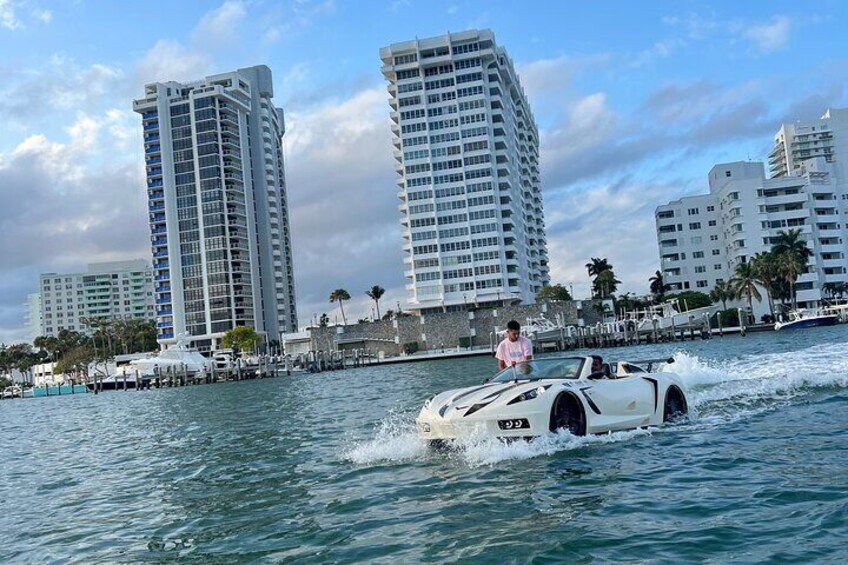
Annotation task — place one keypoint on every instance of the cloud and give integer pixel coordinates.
(28, 97)
(44, 16)
(770, 36)
(344, 213)
(221, 25)
(8, 18)
(170, 60)
(66, 205)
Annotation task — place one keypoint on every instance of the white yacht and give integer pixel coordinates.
(177, 358)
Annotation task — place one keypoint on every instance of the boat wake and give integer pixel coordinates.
(719, 392)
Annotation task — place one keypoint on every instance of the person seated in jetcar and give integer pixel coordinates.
(598, 369)
(515, 348)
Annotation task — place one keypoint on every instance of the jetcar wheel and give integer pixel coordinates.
(568, 414)
(675, 405)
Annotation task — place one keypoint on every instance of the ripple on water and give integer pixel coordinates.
(290, 470)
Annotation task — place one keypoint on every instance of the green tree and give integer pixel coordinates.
(690, 299)
(767, 269)
(792, 255)
(554, 293)
(340, 295)
(244, 338)
(721, 293)
(744, 283)
(75, 361)
(324, 320)
(596, 266)
(658, 286)
(605, 284)
(375, 294)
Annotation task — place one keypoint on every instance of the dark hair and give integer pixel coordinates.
(513, 325)
(597, 358)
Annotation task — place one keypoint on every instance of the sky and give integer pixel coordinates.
(635, 102)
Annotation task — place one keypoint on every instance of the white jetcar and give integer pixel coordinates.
(556, 393)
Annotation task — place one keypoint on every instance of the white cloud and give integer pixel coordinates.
(221, 25)
(770, 36)
(44, 16)
(170, 60)
(8, 18)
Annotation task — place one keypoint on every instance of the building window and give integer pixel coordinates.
(700, 269)
(698, 255)
(701, 284)
(717, 267)
(710, 208)
(695, 226)
(716, 252)
(694, 211)
(712, 223)
(727, 173)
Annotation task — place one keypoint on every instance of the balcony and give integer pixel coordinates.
(151, 137)
(164, 288)
(155, 207)
(164, 277)
(161, 229)
(154, 183)
(162, 253)
(163, 300)
(151, 126)
(154, 161)
(153, 149)
(166, 312)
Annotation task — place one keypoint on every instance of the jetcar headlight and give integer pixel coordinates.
(514, 424)
(428, 402)
(529, 395)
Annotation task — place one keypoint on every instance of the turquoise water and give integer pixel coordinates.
(327, 469)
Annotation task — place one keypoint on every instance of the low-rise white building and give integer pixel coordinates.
(115, 290)
(702, 239)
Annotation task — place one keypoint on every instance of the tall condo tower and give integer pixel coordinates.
(467, 156)
(219, 226)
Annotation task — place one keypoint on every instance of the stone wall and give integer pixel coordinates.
(447, 330)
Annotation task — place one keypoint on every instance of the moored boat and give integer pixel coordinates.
(804, 318)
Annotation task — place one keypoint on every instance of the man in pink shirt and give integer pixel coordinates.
(514, 348)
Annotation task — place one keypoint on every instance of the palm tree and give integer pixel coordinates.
(792, 242)
(745, 283)
(340, 295)
(597, 266)
(658, 286)
(721, 293)
(767, 271)
(605, 283)
(791, 266)
(375, 294)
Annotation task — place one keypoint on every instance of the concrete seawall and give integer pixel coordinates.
(433, 332)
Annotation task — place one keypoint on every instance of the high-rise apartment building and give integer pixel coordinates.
(702, 239)
(466, 149)
(115, 290)
(826, 138)
(219, 226)
(32, 316)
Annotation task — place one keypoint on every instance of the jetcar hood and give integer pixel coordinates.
(488, 394)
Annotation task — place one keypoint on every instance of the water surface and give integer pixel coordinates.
(328, 469)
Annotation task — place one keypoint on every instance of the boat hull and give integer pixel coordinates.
(807, 323)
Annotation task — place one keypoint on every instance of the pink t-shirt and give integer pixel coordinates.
(514, 351)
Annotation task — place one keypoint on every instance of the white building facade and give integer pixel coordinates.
(466, 148)
(115, 290)
(219, 226)
(33, 316)
(702, 239)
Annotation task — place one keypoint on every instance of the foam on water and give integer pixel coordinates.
(395, 440)
(719, 392)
